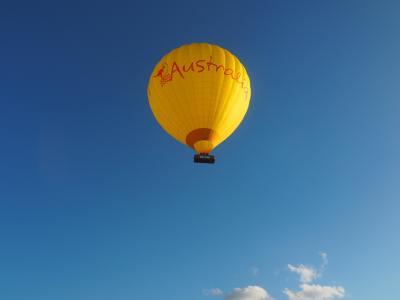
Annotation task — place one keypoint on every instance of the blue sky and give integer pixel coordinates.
(97, 202)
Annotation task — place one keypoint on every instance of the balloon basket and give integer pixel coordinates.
(204, 158)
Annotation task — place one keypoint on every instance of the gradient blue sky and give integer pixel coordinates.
(97, 202)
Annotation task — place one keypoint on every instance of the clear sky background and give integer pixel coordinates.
(98, 203)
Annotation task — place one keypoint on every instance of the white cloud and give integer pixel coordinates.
(251, 292)
(315, 292)
(307, 289)
(212, 292)
(307, 274)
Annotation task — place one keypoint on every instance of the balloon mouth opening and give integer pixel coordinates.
(201, 140)
(203, 147)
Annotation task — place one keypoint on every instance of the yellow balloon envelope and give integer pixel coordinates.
(199, 93)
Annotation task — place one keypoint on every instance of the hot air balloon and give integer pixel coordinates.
(199, 94)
